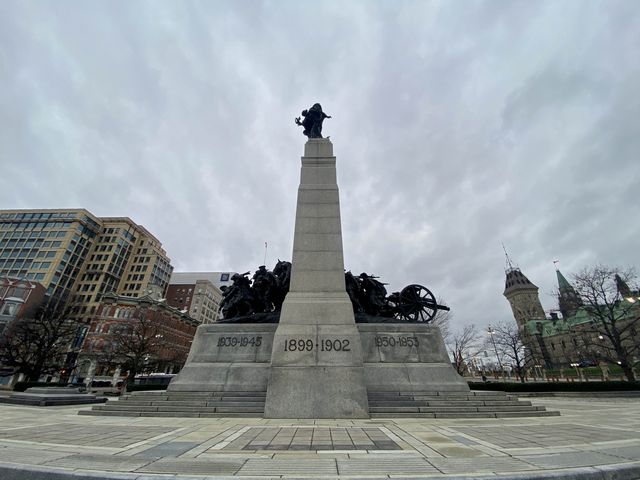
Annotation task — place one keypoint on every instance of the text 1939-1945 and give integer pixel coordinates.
(239, 341)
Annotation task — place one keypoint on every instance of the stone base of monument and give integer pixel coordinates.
(406, 368)
(227, 357)
(51, 396)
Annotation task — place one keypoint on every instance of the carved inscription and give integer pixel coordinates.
(324, 345)
(239, 341)
(399, 341)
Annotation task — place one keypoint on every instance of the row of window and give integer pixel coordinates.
(37, 216)
(31, 243)
(10, 238)
(32, 225)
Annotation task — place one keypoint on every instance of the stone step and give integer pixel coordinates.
(235, 393)
(238, 398)
(439, 394)
(193, 403)
(454, 409)
(539, 413)
(442, 398)
(180, 408)
(133, 413)
(456, 403)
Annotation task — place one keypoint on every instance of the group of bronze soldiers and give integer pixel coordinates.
(264, 293)
(266, 290)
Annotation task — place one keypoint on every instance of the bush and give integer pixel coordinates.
(556, 386)
(146, 387)
(22, 386)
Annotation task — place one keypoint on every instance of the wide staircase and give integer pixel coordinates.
(473, 404)
(184, 404)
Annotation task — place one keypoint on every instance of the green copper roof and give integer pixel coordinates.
(563, 284)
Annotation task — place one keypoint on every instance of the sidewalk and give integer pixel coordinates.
(594, 438)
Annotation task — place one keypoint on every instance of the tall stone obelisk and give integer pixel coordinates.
(316, 362)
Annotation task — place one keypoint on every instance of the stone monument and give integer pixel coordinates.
(305, 357)
(316, 362)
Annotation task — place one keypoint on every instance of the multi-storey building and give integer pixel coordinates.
(78, 257)
(169, 331)
(126, 259)
(18, 298)
(196, 294)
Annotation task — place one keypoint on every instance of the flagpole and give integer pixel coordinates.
(264, 262)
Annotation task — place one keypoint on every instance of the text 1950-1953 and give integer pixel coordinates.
(400, 341)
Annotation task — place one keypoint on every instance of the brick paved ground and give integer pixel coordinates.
(591, 436)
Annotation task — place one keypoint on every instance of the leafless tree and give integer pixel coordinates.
(37, 345)
(508, 341)
(462, 345)
(442, 320)
(136, 343)
(614, 310)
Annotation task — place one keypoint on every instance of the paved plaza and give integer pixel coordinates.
(593, 438)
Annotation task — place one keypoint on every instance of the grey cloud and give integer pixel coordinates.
(455, 129)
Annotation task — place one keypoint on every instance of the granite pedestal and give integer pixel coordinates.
(316, 362)
(50, 396)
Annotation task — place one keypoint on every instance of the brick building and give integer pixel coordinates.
(169, 330)
(197, 294)
(18, 298)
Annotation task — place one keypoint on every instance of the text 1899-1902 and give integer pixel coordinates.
(325, 345)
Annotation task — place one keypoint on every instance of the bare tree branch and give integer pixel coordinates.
(462, 345)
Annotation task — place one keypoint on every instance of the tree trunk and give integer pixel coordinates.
(130, 379)
(629, 373)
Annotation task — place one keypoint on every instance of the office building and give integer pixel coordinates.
(78, 256)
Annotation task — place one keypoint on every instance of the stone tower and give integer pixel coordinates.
(523, 297)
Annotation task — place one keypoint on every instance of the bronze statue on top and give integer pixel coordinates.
(260, 299)
(312, 122)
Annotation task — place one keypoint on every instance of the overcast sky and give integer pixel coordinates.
(457, 126)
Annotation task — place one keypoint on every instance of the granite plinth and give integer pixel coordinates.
(50, 396)
(407, 357)
(227, 357)
(316, 362)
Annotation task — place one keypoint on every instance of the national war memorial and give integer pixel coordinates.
(329, 345)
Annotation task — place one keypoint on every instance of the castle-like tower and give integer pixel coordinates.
(522, 295)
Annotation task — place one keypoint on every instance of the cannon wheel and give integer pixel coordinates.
(417, 304)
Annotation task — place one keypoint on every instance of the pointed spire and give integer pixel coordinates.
(623, 288)
(510, 266)
(563, 283)
(568, 299)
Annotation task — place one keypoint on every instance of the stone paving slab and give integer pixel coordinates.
(595, 439)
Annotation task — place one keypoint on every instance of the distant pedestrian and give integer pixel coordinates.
(484, 378)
